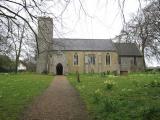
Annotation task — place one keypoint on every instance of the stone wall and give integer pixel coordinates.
(128, 64)
(55, 59)
(45, 35)
(66, 59)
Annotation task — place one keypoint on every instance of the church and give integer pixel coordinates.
(60, 56)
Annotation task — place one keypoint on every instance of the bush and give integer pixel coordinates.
(6, 64)
(155, 83)
(45, 72)
(151, 114)
(108, 72)
(103, 74)
(109, 84)
(106, 108)
(135, 83)
(3, 69)
(97, 95)
(115, 73)
(108, 105)
(6, 69)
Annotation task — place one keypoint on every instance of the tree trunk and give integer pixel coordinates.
(18, 53)
(16, 66)
(144, 63)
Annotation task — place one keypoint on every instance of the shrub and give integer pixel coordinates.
(109, 105)
(155, 83)
(151, 114)
(105, 108)
(45, 72)
(154, 71)
(108, 72)
(97, 95)
(109, 84)
(103, 74)
(115, 73)
(135, 83)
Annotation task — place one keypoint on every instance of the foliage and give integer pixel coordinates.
(4, 60)
(17, 91)
(97, 95)
(109, 84)
(108, 105)
(45, 72)
(151, 114)
(155, 83)
(103, 74)
(115, 73)
(108, 72)
(130, 99)
(6, 65)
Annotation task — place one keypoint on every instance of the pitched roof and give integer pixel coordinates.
(83, 44)
(127, 49)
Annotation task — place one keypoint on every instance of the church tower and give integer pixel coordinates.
(45, 36)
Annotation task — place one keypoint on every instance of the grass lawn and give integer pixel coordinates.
(17, 91)
(132, 97)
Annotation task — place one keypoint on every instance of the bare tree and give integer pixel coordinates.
(17, 38)
(14, 10)
(153, 13)
(143, 29)
(29, 10)
(5, 46)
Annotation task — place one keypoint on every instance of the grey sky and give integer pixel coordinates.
(103, 18)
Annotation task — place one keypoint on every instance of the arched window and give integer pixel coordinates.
(92, 59)
(75, 59)
(108, 59)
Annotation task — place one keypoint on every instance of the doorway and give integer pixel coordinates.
(59, 69)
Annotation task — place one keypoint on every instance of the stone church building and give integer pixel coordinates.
(62, 56)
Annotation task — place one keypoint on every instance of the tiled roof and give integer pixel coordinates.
(83, 44)
(127, 49)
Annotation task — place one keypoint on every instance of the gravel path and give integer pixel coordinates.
(59, 102)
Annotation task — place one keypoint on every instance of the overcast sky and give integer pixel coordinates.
(103, 18)
(97, 19)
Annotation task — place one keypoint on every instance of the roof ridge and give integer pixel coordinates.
(80, 39)
(85, 44)
(123, 43)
